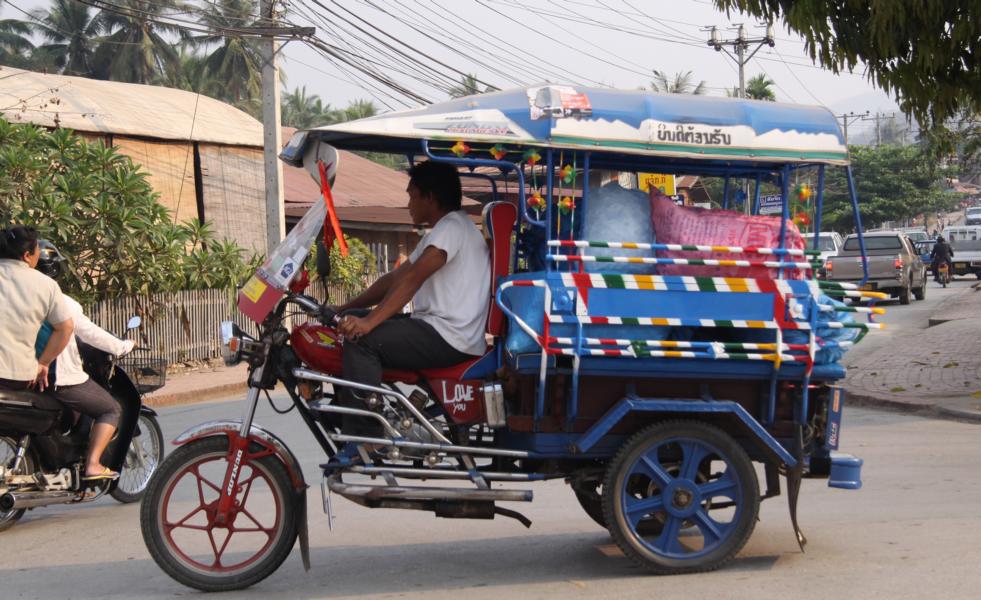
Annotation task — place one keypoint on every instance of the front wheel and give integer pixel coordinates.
(144, 455)
(180, 529)
(681, 497)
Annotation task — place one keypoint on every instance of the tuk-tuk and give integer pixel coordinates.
(652, 375)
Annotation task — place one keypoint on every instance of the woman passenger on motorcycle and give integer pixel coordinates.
(28, 298)
(73, 387)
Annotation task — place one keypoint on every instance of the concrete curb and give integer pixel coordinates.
(938, 318)
(194, 396)
(908, 408)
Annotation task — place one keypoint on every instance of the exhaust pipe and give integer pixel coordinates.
(20, 500)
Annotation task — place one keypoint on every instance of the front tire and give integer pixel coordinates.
(189, 546)
(143, 457)
(661, 487)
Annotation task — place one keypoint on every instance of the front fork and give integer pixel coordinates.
(238, 455)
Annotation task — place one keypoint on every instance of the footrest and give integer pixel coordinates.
(846, 472)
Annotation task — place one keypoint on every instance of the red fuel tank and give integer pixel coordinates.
(318, 347)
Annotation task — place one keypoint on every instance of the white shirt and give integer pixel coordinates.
(69, 364)
(455, 299)
(28, 298)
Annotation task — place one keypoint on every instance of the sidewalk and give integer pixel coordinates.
(200, 385)
(934, 371)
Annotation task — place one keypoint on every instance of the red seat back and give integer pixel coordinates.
(499, 219)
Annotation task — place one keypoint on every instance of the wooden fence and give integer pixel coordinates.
(184, 326)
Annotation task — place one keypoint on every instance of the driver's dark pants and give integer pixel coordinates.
(401, 342)
(92, 400)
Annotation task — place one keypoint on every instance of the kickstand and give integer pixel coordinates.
(794, 477)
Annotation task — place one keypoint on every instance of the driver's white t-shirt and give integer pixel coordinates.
(455, 299)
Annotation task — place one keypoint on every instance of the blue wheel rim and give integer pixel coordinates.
(665, 486)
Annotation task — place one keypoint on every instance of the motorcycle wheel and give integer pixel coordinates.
(142, 459)
(177, 518)
(8, 451)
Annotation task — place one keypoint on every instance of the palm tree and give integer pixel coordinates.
(758, 88)
(681, 84)
(72, 34)
(469, 86)
(14, 42)
(359, 109)
(237, 62)
(134, 49)
(303, 111)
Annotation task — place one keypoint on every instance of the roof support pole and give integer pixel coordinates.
(271, 132)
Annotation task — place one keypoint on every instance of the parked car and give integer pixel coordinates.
(972, 215)
(894, 265)
(829, 243)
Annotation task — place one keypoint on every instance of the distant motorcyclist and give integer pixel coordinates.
(941, 253)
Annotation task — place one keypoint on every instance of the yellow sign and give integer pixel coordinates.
(254, 288)
(665, 183)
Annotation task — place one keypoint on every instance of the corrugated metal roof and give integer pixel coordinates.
(123, 109)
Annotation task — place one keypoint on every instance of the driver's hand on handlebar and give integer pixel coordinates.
(354, 327)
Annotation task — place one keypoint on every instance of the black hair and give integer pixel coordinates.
(439, 179)
(17, 240)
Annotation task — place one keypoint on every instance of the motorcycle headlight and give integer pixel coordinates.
(236, 345)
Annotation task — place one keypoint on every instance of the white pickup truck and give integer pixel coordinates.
(966, 242)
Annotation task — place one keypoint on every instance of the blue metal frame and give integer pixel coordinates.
(632, 403)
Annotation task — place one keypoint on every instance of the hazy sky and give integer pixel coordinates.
(615, 42)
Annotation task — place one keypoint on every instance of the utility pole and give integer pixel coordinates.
(878, 122)
(741, 45)
(271, 131)
(845, 118)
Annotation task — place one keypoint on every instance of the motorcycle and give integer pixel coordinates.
(943, 273)
(42, 446)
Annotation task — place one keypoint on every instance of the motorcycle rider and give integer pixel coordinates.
(447, 278)
(28, 298)
(73, 387)
(942, 252)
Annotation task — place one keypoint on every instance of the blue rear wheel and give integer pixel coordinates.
(681, 497)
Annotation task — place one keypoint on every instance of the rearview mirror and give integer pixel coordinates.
(134, 322)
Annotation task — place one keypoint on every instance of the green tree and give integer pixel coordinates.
(15, 42)
(305, 111)
(926, 53)
(236, 61)
(758, 88)
(136, 48)
(893, 183)
(100, 210)
(682, 83)
(71, 32)
(359, 109)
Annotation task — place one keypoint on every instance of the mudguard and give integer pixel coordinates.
(269, 440)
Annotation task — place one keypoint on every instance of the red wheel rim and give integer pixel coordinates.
(242, 519)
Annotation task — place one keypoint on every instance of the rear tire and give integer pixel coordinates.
(8, 450)
(666, 477)
(201, 566)
(905, 295)
(920, 292)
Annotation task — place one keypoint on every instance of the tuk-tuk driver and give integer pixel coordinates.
(447, 278)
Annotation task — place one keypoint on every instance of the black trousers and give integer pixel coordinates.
(90, 399)
(401, 342)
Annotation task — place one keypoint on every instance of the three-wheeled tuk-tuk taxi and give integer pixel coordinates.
(650, 353)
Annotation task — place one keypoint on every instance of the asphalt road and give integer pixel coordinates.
(913, 529)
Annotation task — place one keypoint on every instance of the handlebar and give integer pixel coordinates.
(323, 313)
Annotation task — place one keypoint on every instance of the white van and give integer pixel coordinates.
(972, 216)
(829, 243)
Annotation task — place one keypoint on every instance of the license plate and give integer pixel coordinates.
(868, 287)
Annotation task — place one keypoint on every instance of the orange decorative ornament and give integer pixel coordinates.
(803, 192)
(532, 157)
(802, 219)
(460, 149)
(498, 152)
(567, 205)
(536, 202)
